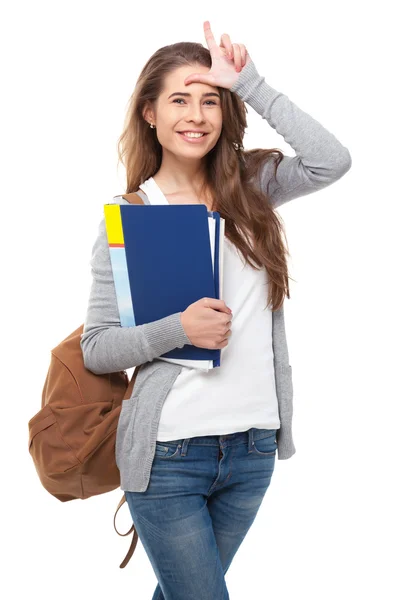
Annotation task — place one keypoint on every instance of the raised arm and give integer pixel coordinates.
(106, 346)
(320, 158)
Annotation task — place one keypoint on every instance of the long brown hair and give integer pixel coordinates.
(230, 170)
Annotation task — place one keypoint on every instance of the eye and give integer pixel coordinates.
(178, 99)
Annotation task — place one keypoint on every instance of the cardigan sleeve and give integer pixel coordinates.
(320, 158)
(106, 346)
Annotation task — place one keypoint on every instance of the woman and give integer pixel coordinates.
(196, 450)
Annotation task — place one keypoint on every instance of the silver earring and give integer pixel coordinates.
(152, 126)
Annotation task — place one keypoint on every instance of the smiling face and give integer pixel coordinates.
(193, 107)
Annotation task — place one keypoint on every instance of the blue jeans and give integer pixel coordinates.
(203, 496)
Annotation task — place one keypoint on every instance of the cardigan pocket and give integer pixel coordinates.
(284, 389)
(286, 381)
(123, 441)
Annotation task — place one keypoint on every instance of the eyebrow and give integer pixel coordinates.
(187, 94)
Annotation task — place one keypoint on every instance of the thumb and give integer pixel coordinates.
(198, 78)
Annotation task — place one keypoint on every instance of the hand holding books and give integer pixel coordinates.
(207, 323)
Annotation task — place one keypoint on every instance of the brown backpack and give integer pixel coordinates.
(72, 437)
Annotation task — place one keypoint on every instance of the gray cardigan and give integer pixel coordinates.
(107, 347)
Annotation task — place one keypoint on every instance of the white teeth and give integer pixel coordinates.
(192, 134)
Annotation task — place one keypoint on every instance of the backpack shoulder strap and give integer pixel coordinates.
(135, 197)
(135, 536)
(134, 541)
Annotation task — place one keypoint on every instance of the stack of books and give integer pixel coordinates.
(164, 258)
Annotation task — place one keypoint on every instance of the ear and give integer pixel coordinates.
(148, 114)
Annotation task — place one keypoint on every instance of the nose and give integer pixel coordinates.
(195, 114)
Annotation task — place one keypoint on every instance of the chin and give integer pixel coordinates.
(191, 151)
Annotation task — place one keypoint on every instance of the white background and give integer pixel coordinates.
(328, 527)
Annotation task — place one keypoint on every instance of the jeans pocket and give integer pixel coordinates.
(267, 445)
(168, 449)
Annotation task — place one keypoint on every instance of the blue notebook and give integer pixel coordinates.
(165, 257)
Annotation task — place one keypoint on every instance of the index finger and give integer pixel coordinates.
(211, 43)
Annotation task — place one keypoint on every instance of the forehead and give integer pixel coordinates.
(174, 81)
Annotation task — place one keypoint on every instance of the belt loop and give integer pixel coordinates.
(251, 437)
(185, 444)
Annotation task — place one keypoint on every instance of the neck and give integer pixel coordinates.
(180, 176)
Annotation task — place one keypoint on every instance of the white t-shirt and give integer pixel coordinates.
(241, 392)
